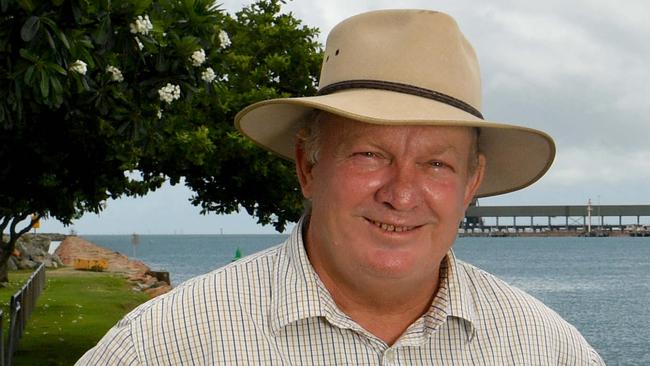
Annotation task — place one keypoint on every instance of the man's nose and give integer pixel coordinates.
(400, 191)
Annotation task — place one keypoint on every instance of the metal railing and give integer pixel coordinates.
(22, 304)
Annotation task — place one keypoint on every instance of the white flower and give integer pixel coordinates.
(140, 45)
(78, 67)
(208, 75)
(116, 74)
(224, 40)
(159, 114)
(169, 93)
(141, 25)
(198, 57)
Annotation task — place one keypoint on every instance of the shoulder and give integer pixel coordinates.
(492, 297)
(232, 285)
(504, 312)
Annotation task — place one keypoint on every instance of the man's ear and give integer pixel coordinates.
(474, 181)
(304, 171)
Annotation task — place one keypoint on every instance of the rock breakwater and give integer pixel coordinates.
(143, 278)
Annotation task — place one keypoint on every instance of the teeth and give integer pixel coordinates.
(391, 228)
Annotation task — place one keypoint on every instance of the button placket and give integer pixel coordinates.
(389, 357)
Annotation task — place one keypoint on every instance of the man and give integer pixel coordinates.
(389, 155)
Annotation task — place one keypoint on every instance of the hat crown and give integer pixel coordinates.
(404, 67)
(421, 48)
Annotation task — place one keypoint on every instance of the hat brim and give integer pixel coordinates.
(516, 156)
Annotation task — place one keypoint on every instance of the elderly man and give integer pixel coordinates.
(389, 155)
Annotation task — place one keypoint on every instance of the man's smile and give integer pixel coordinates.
(391, 227)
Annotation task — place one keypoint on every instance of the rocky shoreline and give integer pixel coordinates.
(31, 250)
(34, 249)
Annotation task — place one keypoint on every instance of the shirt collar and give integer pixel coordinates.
(298, 292)
(460, 299)
(453, 302)
(295, 289)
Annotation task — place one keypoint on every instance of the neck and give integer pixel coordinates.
(384, 307)
(385, 312)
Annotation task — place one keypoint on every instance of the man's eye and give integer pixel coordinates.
(438, 164)
(367, 154)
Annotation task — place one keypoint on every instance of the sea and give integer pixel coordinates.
(600, 285)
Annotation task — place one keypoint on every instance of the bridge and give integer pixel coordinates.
(571, 220)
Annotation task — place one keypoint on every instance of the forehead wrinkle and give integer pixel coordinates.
(341, 132)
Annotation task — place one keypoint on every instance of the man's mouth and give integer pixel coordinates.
(390, 227)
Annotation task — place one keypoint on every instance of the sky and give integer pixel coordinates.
(578, 70)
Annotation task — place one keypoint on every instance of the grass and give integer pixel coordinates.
(74, 311)
(16, 281)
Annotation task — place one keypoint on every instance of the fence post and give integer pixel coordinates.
(2, 341)
(22, 304)
(15, 308)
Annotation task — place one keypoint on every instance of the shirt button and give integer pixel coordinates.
(389, 356)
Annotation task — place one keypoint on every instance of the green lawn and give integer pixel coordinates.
(74, 311)
(16, 280)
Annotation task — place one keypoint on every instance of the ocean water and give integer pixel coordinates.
(600, 285)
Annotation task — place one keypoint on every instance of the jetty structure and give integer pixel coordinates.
(578, 220)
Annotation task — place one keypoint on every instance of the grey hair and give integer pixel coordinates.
(308, 135)
(475, 150)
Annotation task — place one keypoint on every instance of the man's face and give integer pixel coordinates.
(386, 200)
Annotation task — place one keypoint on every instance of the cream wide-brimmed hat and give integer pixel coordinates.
(405, 67)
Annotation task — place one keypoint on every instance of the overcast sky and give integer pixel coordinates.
(579, 70)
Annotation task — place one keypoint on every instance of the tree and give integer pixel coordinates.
(94, 91)
(272, 56)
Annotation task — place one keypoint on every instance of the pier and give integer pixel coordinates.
(580, 220)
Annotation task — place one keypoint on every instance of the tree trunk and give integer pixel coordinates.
(4, 273)
(7, 247)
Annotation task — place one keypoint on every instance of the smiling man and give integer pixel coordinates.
(388, 155)
(387, 201)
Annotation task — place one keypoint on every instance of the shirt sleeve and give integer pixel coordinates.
(115, 348)
(596, 360)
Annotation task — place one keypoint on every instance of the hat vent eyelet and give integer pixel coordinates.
(336, 53)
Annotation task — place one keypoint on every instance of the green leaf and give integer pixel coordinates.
(29, 74)
(63, 39)
(26, 5)
(84, 82)
(48, 21)
(30, 28)
(57, 68)
(50, 40)
(86, 43)
(57, 91)
(60, 35)
(56, 85)
(25, 53)
(45, 85)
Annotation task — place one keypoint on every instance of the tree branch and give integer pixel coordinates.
(5, 222)
(29, 226)
(13, 236)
